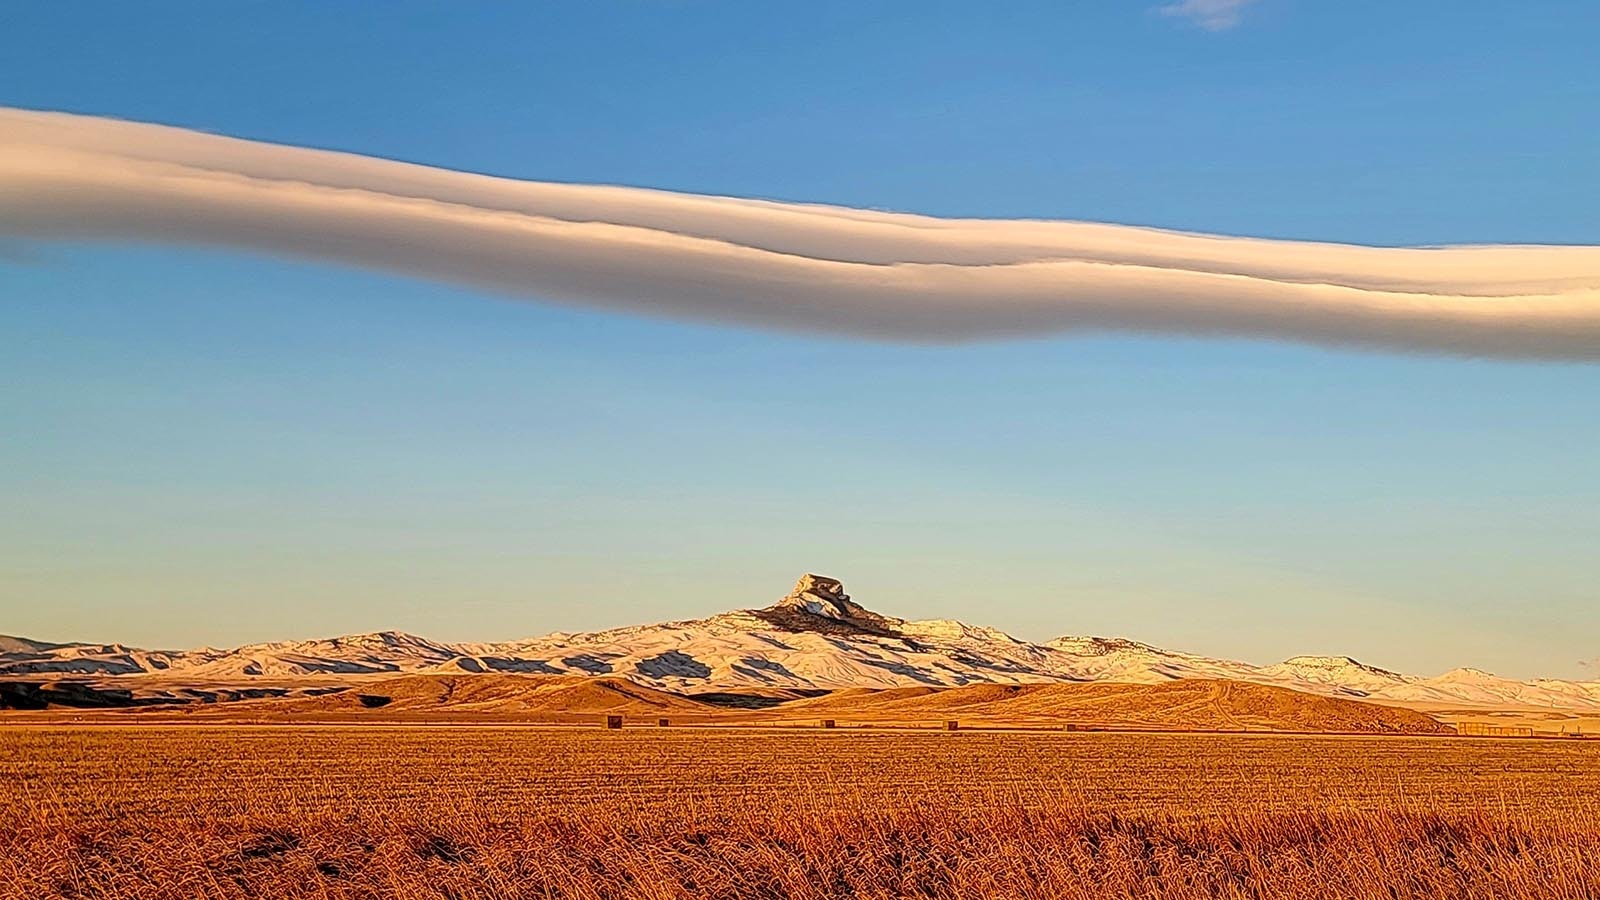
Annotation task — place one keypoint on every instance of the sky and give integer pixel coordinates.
(210, 447)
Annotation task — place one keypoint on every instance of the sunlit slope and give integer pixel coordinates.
(1188, 705)
(1192, 705)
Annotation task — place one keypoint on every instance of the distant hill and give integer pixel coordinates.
(13, 644)
(553, 699)
(1190, 705)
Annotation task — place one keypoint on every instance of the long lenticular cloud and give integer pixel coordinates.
(782, 265)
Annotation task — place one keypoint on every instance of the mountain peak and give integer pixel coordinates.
(1326, 666)
(1324, 662)
(820, 595)
(819, 603)
(1468, 674)
(13, 644)
(1089, 645)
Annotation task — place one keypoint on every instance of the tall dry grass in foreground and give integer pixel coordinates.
(363, 813)
(784, 851)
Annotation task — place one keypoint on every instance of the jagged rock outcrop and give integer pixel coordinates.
(818, 603)
(821, 596)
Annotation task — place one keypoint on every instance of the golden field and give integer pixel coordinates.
(472, 811)
(1191, 704)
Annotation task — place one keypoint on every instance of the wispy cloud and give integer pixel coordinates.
(1212, 15)
(781, 265)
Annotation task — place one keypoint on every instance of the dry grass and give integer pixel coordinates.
(1191, 704)
(476, 812)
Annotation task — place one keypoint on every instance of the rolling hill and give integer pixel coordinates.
(1192, 705)
(549, 699)
(1189, 705)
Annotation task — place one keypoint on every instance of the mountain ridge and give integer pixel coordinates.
(815, 637)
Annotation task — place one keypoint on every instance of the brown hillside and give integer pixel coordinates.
(1187, 705)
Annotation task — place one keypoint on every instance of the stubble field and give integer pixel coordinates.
(464, 811)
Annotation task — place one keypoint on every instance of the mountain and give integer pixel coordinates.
(815, 638)
(10, 644)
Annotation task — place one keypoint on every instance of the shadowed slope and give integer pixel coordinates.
(557, 699)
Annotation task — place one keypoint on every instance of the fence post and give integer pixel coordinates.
(952, 725)
(662, 723)
(613, 722)
(827, 723)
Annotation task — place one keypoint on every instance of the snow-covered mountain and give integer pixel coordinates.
(817, 637)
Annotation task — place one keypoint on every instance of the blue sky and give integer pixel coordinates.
(202, 447)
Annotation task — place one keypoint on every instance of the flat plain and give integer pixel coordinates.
(477, 811)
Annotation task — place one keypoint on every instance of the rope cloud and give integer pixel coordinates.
(798, 267)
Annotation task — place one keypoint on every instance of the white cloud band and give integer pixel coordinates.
(793, 266)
